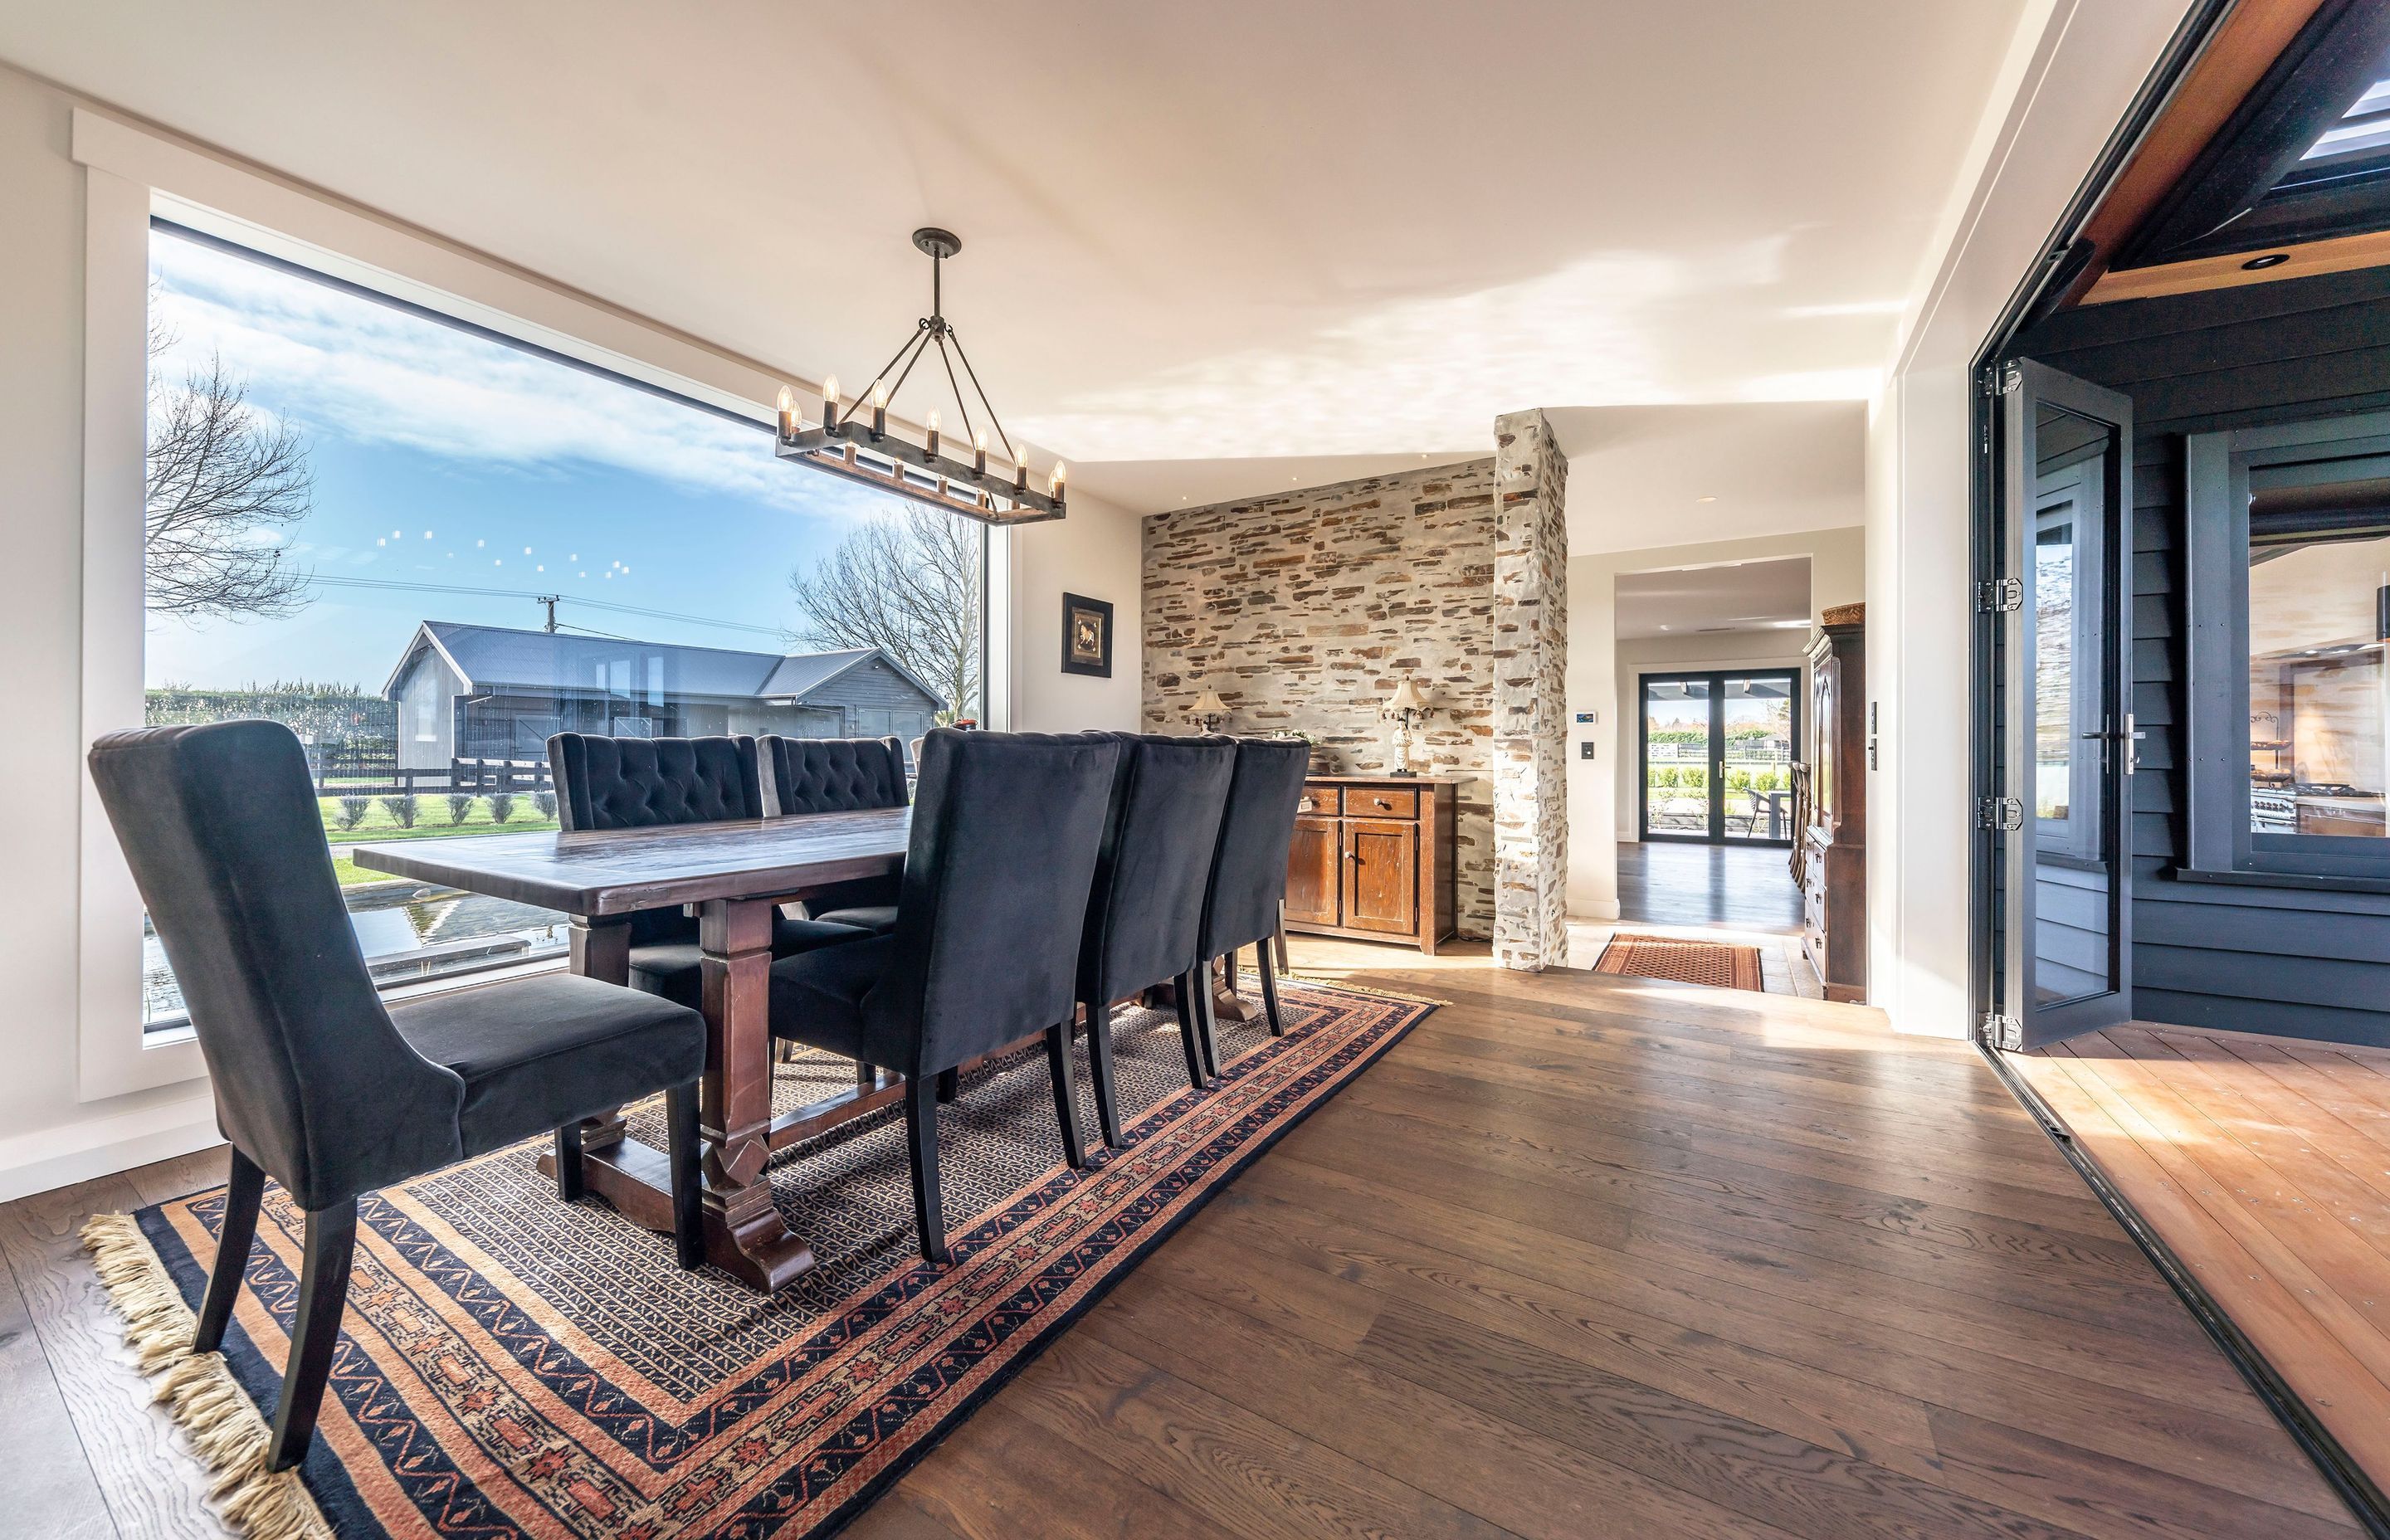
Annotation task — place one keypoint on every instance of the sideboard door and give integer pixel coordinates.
(1311, 872)
(1381, 881)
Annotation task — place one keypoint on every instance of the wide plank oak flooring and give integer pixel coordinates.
(1582, 1256)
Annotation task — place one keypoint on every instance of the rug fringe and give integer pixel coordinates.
(224, 1427)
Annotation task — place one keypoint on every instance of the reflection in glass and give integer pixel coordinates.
(2071, 554)
(2318, 610)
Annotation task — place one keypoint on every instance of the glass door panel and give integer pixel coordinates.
(1756, 752)
(1676, 757)
(2067, 916)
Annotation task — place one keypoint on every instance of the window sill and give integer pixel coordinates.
(2309, 881)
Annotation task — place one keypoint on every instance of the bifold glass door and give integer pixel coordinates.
(1717, 755)
(2069, 734)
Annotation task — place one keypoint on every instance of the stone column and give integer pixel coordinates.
(1530, 699)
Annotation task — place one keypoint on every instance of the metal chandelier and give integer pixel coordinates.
(852, 440)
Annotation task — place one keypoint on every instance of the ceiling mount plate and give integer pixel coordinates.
(937, 242)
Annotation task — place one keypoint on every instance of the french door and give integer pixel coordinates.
(2067, 737)
(1717, 752)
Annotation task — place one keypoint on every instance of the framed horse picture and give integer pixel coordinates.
(1086, 636)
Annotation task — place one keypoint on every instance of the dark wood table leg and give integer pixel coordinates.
(601, 950)
(1226, 1004)
(743, 1232)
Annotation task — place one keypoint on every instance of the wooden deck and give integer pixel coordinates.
(2264, 1163)
(1581, 1256)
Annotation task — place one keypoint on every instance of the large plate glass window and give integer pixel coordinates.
(425, 547)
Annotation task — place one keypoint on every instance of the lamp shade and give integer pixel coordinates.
(1207, 704)
(1408, 697)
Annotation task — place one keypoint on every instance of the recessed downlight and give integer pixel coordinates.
(2271, 259)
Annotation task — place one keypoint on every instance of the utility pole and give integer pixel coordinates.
(550, 600)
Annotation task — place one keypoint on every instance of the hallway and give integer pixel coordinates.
(1740, 887)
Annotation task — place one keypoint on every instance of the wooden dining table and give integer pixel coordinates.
(732, 874)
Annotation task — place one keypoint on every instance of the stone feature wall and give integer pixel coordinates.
(1530, 695)
(1305, 610)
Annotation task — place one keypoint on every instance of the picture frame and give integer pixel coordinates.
(1086, 636)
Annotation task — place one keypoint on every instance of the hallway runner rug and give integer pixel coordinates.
(513, 1366)
(1682, 961)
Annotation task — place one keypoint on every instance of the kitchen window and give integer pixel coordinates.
(2290, 618)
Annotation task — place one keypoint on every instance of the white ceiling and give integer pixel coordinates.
(1192, 233)
(1645, 476)
(1746, 596)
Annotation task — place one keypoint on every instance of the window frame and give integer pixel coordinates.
(133, 175)
(2221, 846)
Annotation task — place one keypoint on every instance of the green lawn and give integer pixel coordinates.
(430, 823)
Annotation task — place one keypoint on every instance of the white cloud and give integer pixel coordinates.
(370, 373)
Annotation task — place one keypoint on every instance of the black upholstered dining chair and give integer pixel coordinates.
(316, 1083)
(647, 782)
(986, 950)
(839, 775)
(1146, 913)
(1249, 868)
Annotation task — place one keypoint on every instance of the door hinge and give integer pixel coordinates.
(1999, 597)
(2005, 814)
(2006, 380)
(2004, 1032)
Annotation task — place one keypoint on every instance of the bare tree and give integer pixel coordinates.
(907, 582)
(221, 481)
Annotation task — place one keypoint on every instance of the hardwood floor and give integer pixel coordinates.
(1743, 887)
(1581, 1256)
(2264, 1163)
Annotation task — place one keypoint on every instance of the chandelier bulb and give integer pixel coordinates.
(788, 413)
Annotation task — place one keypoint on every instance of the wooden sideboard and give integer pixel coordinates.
(1833, 843)
(1373, 857)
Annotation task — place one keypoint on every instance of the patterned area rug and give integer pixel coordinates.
(514, 1365)
(1686, 962)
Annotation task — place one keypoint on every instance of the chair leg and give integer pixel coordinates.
(247, 1190)
(921, 1133)
(1099, 1067)
(323, 1295)
(1189, 1033)
(688, 1188)
(1066, 1095)
(1269, 989)
(950, 1083)
(1207, 1021)
(568, 1163)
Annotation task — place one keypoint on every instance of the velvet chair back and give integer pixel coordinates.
(1006, 830)
(313, 1083)
(1146, 913)
(1249, 865)
(641, 782)
(833, 775)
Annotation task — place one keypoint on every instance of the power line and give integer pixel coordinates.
(319, 579)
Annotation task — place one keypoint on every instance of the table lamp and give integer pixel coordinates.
(1209, 710)
(1408, 704)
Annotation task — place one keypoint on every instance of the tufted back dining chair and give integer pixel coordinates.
(611, 783)
(319, 1084)
(839, 775)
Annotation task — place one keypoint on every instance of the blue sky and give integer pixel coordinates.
(439, 457)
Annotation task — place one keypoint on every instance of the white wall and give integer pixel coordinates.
(1598, 803)
(2072, 70)
(1096, 554)
(49, 1133)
